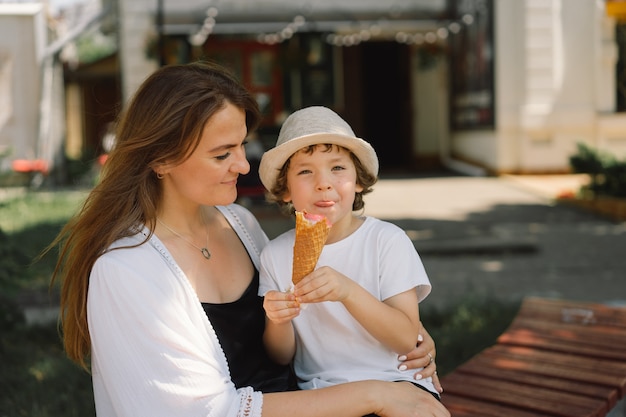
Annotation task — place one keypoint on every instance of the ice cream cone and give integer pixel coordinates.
(311, 234)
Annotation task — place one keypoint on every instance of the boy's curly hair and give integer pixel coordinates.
(363, 178)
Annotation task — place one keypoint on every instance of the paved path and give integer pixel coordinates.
(491, 237)
(499, 237)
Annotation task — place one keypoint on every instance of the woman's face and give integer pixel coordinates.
(209, 175)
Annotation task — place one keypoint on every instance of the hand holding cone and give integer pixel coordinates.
(311, 234)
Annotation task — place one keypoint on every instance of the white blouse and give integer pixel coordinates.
(154, 352)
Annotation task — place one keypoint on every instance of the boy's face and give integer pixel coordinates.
(322, 182)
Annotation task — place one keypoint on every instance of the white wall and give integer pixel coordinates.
(137, 25)
(22, 42)
(554, 85)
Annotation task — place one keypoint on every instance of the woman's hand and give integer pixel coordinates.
(400, 399)
(423, 356)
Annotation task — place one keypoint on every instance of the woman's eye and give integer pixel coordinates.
(338, 168)
(304, 171)
(222, 157)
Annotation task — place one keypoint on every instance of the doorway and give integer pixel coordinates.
(378, 100)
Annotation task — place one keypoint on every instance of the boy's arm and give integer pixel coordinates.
(394, 322)
(278, 337)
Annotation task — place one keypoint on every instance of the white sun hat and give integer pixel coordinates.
(311, 126)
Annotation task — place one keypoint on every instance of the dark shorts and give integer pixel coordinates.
(418, 386)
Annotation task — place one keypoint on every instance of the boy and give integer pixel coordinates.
(362, 300)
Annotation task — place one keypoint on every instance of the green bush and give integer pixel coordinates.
(607, 173)
(464, 330)
(36, 378)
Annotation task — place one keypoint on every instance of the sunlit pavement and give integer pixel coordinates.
(498, 237)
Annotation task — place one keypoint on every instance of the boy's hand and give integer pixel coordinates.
(323, 284)
(280, 307)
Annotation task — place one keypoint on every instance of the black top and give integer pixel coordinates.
(239, 326)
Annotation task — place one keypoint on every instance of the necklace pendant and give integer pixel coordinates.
(206, 253)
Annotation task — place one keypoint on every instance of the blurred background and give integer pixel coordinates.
(477, 86)
(495, 122)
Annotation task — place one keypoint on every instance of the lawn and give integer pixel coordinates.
(37, 380)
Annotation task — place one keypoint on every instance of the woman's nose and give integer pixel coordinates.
(242, 165)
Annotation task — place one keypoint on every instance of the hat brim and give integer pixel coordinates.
(273, 160)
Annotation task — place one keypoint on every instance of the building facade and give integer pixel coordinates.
(22, 48)
(481, 86)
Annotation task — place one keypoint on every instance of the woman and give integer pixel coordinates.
(157, 240)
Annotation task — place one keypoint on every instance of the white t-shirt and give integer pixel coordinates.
(331, 346)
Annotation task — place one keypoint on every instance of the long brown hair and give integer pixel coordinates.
(163, 122)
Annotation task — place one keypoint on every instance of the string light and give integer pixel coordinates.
(347, 37)
(282, 35)
(416, 37)
(200, 37)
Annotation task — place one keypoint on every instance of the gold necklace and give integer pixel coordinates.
(205, 252)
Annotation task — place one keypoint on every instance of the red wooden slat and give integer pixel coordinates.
(590, 341)
(573, 312)
(530, 399)
(466, 407)
(576, 368)
(478, 367)
(558, 358)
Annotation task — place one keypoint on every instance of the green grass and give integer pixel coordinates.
(32, 208)
(37, 380)
(466, 329)
(28, 223)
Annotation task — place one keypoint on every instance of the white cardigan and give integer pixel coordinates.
(154, 352)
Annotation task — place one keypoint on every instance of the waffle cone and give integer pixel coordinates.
(310, 239)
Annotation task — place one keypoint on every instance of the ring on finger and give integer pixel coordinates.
(431, 358)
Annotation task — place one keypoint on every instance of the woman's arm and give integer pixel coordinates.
(355, 399)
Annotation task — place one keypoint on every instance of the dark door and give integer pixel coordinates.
(386, 95)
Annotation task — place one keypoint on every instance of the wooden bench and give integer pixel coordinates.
(557, 358)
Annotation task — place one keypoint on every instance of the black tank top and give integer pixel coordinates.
(239, 326)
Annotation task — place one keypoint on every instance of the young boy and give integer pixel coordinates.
(358, 310)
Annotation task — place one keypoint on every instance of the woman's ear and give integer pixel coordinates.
(159, 172)
(161, 169)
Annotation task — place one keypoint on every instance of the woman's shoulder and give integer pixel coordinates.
(236, 210)
(134, 239)
(242, 219)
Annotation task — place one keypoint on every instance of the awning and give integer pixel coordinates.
(267, 16)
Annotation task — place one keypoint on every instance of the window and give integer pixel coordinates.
(620, 68)
(471, 65)
(256, 66)
(6, 89)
